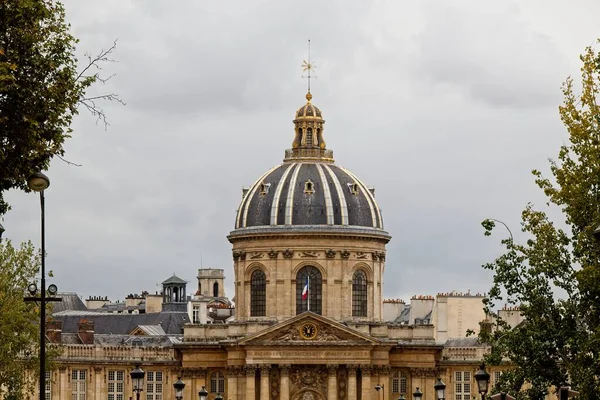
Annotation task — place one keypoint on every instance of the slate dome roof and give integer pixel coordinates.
(301, 193)
(308, 189)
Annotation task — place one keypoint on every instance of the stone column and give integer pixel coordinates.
(332, 381)
(366, 382)
(284, 382)
(232, 393)
(351, 382)
(264, 382)
(63, 381)
(384, 379)
(98, 383)
(250, 377)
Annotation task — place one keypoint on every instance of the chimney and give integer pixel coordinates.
(54, 331)
(86, 331)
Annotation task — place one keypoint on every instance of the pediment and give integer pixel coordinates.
(292, 332)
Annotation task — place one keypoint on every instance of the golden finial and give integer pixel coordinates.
(310, 67)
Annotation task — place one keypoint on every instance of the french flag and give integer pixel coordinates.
(305, 291)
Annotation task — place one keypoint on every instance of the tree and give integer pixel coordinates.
(19, 321)
(554, 275)
(40, 88)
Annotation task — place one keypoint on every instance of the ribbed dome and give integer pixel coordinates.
(308, 110)
(308, 193)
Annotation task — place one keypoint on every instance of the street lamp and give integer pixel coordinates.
(179, 385)
(440, 389)
(402, 397)
(219, 397)
(137, 378)
(379, 387)
(483, 380)
(203, 394)
(39, 182)
(417, 394)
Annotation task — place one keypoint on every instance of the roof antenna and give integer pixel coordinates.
(309, 67)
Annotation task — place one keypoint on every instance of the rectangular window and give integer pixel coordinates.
(196, 315)
(462, 385)
(115, 382)
(154, 385)
(48, 386)
(399, 383)
(497, 376)
(78, 384)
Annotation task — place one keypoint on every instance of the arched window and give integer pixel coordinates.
(217, 382)
(216, 289)
(309, 278)
(359, 294)
(258, 294)
(309, 137)
(199, 288)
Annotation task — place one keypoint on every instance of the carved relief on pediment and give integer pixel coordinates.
(323, 333)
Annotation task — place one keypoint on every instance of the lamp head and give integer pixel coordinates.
(38, 182)
(483, 379)
(137, 378)
(52, 289)
(440, 389)
(203, 394)
(378, 387)
(179, 385)
(32, 289)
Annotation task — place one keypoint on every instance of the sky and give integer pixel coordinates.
(443, 106)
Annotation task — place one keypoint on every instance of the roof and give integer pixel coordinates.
(309, 193)
(174, 279)
(171, 322)
(151, 330)
(70, 301)
(115, 340)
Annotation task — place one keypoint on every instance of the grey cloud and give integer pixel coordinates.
(492, 53)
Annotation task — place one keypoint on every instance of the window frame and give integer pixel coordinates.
(78, 384)
(315, 292)
(258, 293)
(360, 295)
(115, 378)
(217, 381)
(152, 384)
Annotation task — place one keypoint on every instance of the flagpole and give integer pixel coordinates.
(308, 291)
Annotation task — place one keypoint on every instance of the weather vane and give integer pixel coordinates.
(309, 67)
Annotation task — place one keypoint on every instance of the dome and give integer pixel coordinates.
(308, 110)
(308, 189)
(301, 193)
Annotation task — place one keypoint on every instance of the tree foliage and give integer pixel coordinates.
(554, 275)
(19, 321)
(40, 88)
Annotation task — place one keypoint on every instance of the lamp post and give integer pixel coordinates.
(39, 182)
(483, 380)
(440, 389)
(380, 387)
(137, 378)
(179, 385)
(203, 394)
(417, 394)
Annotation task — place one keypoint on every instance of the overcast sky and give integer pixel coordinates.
(443, 106)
